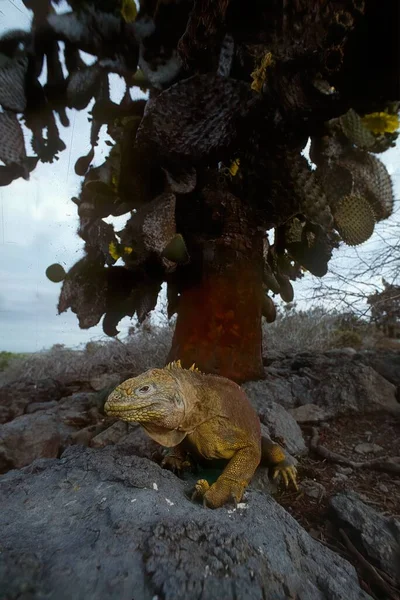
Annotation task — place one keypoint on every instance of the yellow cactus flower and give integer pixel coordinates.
(234, 168)
(128, 10)
(259, 75)
(113, 250)
(381, 122)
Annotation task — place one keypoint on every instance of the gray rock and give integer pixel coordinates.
(272, 357)
(131, 438)
(344, 470)
(366, 448)
(339, 478)
(280, 424)
(81, 400)
(376, 536)
(262, 482)
(12, 404)
(309, 413)
(85, 435)
(101, 524)
(383, 488)
(44, 433)
(29, 437)
(35, 406)
(111, 435)
(277, 390)
(139, 443)
(312, 488)
(337, 384)
(386, 363)
(108, 380)
(278, 421)
(80, 411)
(16, 396)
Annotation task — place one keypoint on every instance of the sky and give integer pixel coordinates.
(38, 224)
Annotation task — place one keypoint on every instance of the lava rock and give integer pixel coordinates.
(104, 524)
(367, 448)
(44, 433)
(376, 536)
(312, 488)
(16, 396)
(309, 413)
(338, 384)
(111, 435)
(280, 424)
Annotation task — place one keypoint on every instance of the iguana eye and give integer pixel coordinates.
(144, 389)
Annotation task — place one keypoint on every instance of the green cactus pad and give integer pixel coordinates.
(176, 250)
(287, 293)
(55, 273)
(268, 309)
(270, 279)
(354, 219)
(355, 130)
(83, 163)
(99, 187)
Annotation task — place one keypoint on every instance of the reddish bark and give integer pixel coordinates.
(219, 319)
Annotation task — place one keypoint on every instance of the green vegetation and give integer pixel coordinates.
(6, 358)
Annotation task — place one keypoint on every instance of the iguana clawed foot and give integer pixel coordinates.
(176, 464)
(285, 471)
(221, 492)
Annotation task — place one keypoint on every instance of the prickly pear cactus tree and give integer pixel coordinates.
(212, 160)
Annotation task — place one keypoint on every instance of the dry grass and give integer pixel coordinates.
(317, 331)
(296, 331)
(293, 331)
(147, 347)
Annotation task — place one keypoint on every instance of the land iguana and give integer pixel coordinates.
(204, 416)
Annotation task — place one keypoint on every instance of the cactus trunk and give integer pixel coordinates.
(219, 317)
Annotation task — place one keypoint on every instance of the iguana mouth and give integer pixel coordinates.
(122, 408)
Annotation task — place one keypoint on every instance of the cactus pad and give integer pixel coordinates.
(55, 273)
(354, 219)
(355, 130)
(268, 309)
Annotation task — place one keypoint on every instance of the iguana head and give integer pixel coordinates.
(151, 398)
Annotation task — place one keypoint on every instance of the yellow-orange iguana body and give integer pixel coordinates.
(205, 416)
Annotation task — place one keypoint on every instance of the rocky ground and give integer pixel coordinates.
(88, 513)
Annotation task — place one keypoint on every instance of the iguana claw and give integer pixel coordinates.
(234, 500)
(287, 472)
(176, 464)
(224, 490)
(200, 489)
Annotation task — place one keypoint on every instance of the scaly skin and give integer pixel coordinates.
(203, 416)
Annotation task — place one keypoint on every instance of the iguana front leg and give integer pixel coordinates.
(273, 456)
(177, 460)
(234, 479)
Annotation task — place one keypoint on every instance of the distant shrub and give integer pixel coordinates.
(6, 359)
(138, 352)
(385, 309)
(347, 338)
(296, 331)
(316, 330)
